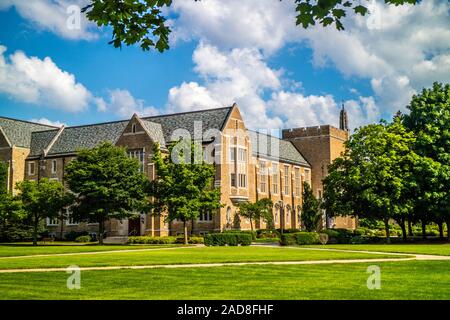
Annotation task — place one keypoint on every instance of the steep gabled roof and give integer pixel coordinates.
(155, 131)
(19, 132)
(41, 140)
(210, 119)
(88, 136)
(267, 146)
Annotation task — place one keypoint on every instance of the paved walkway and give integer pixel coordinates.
(408, 257)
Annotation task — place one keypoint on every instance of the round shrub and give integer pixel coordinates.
(83, 239)
(323, 238)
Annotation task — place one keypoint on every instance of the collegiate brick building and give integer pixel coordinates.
(249, 165)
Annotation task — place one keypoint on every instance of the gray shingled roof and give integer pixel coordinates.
(210, 119)
(19, 132)
(41, 140)
(156, 132)
(271, 147)
(74, 138)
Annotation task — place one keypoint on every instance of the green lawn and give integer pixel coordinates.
(24, 249)
(399, 280)
(436, 249)
(182, 255)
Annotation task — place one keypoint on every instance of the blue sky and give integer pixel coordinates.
(279, 74)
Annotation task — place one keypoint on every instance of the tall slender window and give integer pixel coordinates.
(275, 178)
(242, 155)
(138, 154)
(307, 176)
(53, 166)
(262, 177)
(297, 181)
(242, 180)
(286, 180)
(232, 154)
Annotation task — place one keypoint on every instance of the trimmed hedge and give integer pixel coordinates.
(301, 238)
(191, 240)
(252, 233)
(151, 240)
(83, 239)
(228, 239)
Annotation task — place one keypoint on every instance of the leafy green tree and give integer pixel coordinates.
(378, 177)
(184, 186)
(143, 22)
(107, 184)
(3, 177)
(41, 200)
(429, 119)
(261, 209)
(310, 209)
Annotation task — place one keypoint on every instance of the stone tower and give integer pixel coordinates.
(320, 146)
(343, 119)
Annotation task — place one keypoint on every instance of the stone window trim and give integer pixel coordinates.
(54, 167)
(233, 180)
(275, 176)
(297, 181)
(52, 222)
(242, 180)
(286, 179)
(31, 168)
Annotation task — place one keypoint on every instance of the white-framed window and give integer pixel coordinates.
(242, 180)
(286, 180)
(54, 166)
(228, 216)
(69, 218)
(31, 168)
(297, 180)
(233, 180)
(138, 154)
(307, 176)
(52, 221)
(262, 177)
(242, 155)
(205, 216)
(275, 178)
(232, 154)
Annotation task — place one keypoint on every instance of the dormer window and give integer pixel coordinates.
(133, 128)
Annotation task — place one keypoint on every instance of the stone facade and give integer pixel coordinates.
(245, 169)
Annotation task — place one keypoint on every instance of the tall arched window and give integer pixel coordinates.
(133, 128)
(228, 217)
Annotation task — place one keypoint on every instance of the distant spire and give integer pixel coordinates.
(343, 119)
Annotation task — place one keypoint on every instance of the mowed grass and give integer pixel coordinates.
(434, 249)
(25, 249)
(182, 256)
(399, 280)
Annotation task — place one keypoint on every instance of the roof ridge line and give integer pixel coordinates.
(185, 112)
(30, 122)
(55, 138)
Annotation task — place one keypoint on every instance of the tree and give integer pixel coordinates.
(310, 209)
(107, 184)
(429, 119)
(143, 22)
(40, 200)
(261, 209)
(3, 177)
(184, 186)
(377, 172)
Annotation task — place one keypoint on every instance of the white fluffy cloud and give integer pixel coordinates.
(57, 16)
(48, 122)
(42, 82)
(230, 24)
(122, 103)
(238, 75)
(397, 49)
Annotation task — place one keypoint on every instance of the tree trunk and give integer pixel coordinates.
(251, 223)
(388, 232)
(35, 230)
(424, 229)
(448, 229)
(101, 231)
(441, 230)
(185, 233)
(192, 227)
(403, 226)
(410, 232)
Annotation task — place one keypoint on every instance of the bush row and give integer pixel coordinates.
(228, 239)
(162, 240)
(252, 233)
(301, 238)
